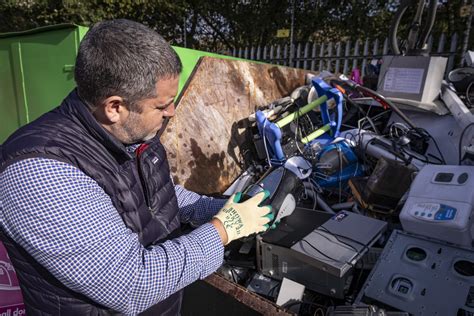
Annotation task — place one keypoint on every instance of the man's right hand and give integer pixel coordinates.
(237, 220)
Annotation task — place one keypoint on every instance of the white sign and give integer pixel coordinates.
(404, 80)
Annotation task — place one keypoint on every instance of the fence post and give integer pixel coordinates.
(240, 52)
(278, 55)
(306, 55)
(285, 55)
(297, 58)
(385, 47)
(452, 52)
(321, 59)
(338, 57)
(264, 53)
(252, 53)
(364, 58)
(313, 57)
(246, 52)
(441, 43)
(375, 50)
(259, 53)
(430, 43)
(347, 54)
(328, 64)
(356, 53)
(234, 51)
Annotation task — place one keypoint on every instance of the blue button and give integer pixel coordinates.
(429, 215)
(422, 214)
(416, 213)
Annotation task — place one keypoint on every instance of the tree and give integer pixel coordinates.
(219, 25)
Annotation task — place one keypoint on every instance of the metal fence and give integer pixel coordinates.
(341, 57)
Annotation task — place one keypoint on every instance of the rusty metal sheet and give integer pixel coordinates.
(202, 138)
(250, 299)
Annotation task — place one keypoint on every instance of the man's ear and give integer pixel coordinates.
(113, 108)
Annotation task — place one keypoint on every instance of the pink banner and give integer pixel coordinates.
(11, 301)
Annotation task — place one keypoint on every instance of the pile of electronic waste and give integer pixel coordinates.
(373, 197)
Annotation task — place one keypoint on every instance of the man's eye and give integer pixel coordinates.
(163, 107)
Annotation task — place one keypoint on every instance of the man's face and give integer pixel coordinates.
(141, 126)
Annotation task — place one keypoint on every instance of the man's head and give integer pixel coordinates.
(128, 75)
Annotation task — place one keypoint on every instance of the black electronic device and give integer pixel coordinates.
(317, 249)
(361, 310)
(284, 187)
(284, 184)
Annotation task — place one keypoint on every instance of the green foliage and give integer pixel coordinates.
(220, 25)
(158, 14)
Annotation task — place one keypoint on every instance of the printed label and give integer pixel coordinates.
(425, 208)
(340, 216)
(11, 300)
(232, 220)
(435, 211)
(445, 213)
(404, 80)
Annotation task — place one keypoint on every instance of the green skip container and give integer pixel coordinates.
(37, 71)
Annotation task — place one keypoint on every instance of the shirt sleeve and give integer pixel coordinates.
(67, 222)
(196, 209)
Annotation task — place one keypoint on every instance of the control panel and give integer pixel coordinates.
(440, 204)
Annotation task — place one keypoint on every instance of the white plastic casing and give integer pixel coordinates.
(440, 204)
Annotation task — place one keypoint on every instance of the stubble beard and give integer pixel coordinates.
(132, 132)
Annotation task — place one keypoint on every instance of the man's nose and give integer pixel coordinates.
(170, 110)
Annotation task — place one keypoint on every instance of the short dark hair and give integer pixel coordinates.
(124, 58)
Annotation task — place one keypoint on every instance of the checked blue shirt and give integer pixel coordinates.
(67, 222)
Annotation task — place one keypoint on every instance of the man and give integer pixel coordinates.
(89, 213)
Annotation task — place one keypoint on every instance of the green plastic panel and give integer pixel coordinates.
(189, 59)
(36, 71)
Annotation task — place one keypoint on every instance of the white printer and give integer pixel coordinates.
(440, 204)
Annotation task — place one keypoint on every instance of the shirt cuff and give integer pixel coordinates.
(212, 247)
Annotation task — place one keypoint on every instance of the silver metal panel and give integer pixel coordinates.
(422, 276)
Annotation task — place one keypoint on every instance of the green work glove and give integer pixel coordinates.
(246, 218)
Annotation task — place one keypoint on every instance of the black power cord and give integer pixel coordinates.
(324, 255)
(460, 141)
